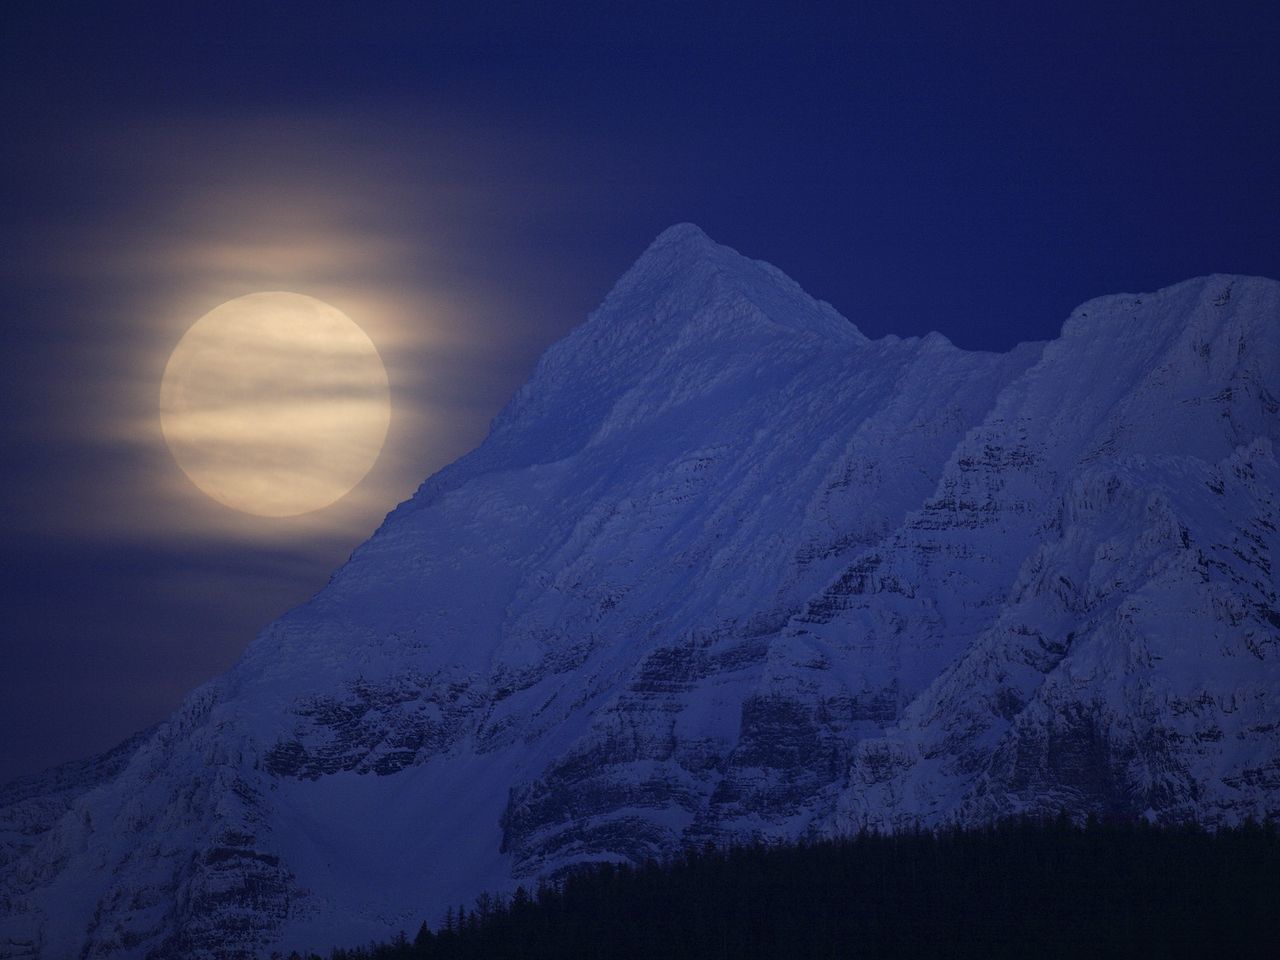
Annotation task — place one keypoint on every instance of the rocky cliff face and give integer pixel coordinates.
(723, 568)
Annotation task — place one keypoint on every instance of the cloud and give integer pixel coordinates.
(347, 208)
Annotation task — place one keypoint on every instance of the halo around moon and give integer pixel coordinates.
(276, 404)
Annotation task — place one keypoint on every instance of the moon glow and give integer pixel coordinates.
(275, 404)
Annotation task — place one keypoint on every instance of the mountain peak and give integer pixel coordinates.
(685, 275)
(688, 309)
(682, 233)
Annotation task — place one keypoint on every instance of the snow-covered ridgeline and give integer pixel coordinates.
(723, 568)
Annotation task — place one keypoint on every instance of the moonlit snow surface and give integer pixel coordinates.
(275, 404)
(724, 569)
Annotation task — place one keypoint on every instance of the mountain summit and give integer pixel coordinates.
(724, 568)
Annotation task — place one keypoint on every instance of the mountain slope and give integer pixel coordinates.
(724, 568)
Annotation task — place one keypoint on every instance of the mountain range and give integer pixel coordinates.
(723, 569)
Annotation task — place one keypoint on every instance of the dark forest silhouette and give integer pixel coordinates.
(1016, 889)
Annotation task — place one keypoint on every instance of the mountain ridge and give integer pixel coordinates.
(725, 569)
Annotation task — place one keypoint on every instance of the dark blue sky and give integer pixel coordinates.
(478, 176)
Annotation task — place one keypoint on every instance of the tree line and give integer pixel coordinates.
(1019, 888)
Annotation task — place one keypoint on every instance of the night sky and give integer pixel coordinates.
(467, 181)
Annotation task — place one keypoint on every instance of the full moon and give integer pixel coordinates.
(275, 404)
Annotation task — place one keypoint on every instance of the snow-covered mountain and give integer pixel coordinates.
(723, 568)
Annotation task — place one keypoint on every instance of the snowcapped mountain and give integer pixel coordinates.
(723, 568)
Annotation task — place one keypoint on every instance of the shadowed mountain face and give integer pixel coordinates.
(724, 568)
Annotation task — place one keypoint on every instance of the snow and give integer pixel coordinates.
(724, 568)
